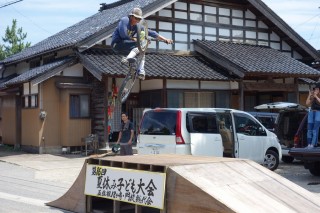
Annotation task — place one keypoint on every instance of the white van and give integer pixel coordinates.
(215, 132)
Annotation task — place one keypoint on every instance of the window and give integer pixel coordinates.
(237, 13)
(203, 123)
(237, 33)
(181, 15)
(237, 22)
(190, 99)
(79, 106)
(181, 37)
(48, 59)
(210, 30)
(196, 7)
(224, 32)
(251, 34)
(34, 63)
(246, 125)
(30, 96)
(181, 27)
(180, 5)
(224, 20)
(210, 10)
(223, 99)
(175, 99)
(209, 18)
(196, 16)
(165, 13)
(157, 122)
(165, 25)
(220, 23)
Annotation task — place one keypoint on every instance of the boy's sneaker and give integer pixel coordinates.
(142, 74)
(124, 61)
(131, 60)
(127, 61)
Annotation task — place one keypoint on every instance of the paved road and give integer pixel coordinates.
(296, 173)
(28, 181)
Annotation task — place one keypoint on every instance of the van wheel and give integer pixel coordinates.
(271, 160)
(314, 171)
(287, 159)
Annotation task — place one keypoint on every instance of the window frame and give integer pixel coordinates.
(78, 115)
(27, 96)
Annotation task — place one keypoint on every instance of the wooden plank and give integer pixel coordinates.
(242, 186)
(166, 159)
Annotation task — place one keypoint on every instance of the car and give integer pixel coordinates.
(218, 132)
(290, 115)
(267, 119)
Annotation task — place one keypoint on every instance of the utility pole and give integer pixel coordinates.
(9, 3)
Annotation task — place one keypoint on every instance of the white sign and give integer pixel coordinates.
(127, 185)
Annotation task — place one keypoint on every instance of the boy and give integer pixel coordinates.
(124, 42)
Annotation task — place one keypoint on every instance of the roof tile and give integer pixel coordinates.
(80, 31)
(257, 59)
(157, 65)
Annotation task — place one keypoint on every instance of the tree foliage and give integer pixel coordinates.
(13, 41)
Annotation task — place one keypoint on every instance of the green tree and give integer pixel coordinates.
(13, 41)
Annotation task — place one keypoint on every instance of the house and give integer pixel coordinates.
(227, 53)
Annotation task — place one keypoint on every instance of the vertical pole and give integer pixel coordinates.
(105, 114)
(241, 96)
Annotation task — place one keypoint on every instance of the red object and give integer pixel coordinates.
(114, 91)
(179, 138)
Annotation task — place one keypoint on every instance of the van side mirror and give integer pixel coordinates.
(262, 131)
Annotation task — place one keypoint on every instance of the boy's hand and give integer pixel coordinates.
(168, 41)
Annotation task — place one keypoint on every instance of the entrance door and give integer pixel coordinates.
(204, 136)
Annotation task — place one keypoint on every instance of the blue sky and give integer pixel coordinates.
(43, 18)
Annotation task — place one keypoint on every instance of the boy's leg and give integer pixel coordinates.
(131, 56)
(142, 73)
(124, 47)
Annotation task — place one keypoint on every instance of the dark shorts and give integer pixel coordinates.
(124, 47)
(125, 149)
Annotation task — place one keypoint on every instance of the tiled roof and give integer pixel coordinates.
(307, 80)
(102, 61)
(83, 30)
(35, 72)
(255, 60)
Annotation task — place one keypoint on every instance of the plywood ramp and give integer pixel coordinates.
(74, 199)
(206, 184)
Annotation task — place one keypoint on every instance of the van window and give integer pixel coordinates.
(159, 123)
(202, 123)
(247, 125)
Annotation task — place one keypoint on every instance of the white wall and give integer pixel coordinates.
(182, 84)
(74, 71)
(152, 84)
(219, 85)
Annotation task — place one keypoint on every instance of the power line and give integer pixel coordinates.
(9, 3)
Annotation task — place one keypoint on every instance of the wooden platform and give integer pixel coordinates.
(200, 184)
